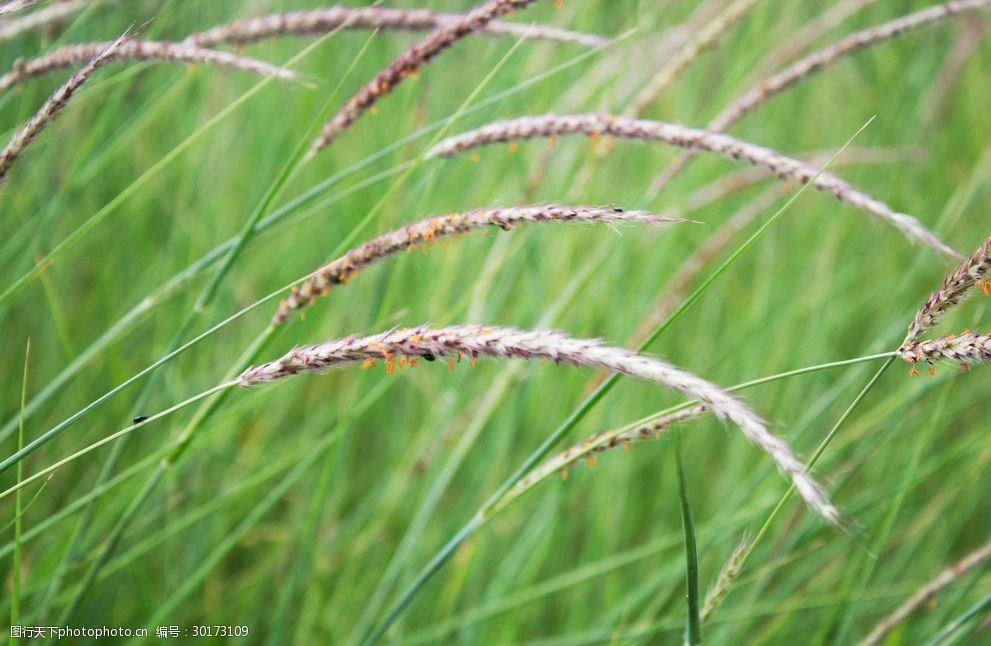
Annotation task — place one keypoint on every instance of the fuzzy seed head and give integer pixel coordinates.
(967, 348)
(137, 50)
(475, 341)
(781, 166)
(54, 105)
(322, 21)
(427, 231)
(411, 61)
(972, 272)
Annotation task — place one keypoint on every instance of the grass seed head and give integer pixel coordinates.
(440, 39)
(137, 50)
(50, 110)
(450, 226)
(534, 345)
(972, 272)
(775, 163)
(325, 20)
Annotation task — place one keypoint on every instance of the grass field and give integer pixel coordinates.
(168, 198)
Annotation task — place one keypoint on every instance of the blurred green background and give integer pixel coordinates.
(293, 500)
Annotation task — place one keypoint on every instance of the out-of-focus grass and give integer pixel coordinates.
(292, 501)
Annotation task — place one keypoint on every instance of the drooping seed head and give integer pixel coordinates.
(827, 56)
(781, 166)
(328, 19)
(54, 106)
(410, 62)
(820, 60)
(427, 231)
(650, 431)
(137, 50)
(928, 592)
(474, 341)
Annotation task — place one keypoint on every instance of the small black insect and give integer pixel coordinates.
(429, 357)
(617, 209)
(139, 419)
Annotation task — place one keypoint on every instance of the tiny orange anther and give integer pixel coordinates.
(564, 474)
(913, 372)
(474, 158)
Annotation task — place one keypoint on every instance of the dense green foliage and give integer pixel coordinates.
(293, 500)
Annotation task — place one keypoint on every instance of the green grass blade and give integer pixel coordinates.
(15, 575)
(693, 625)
